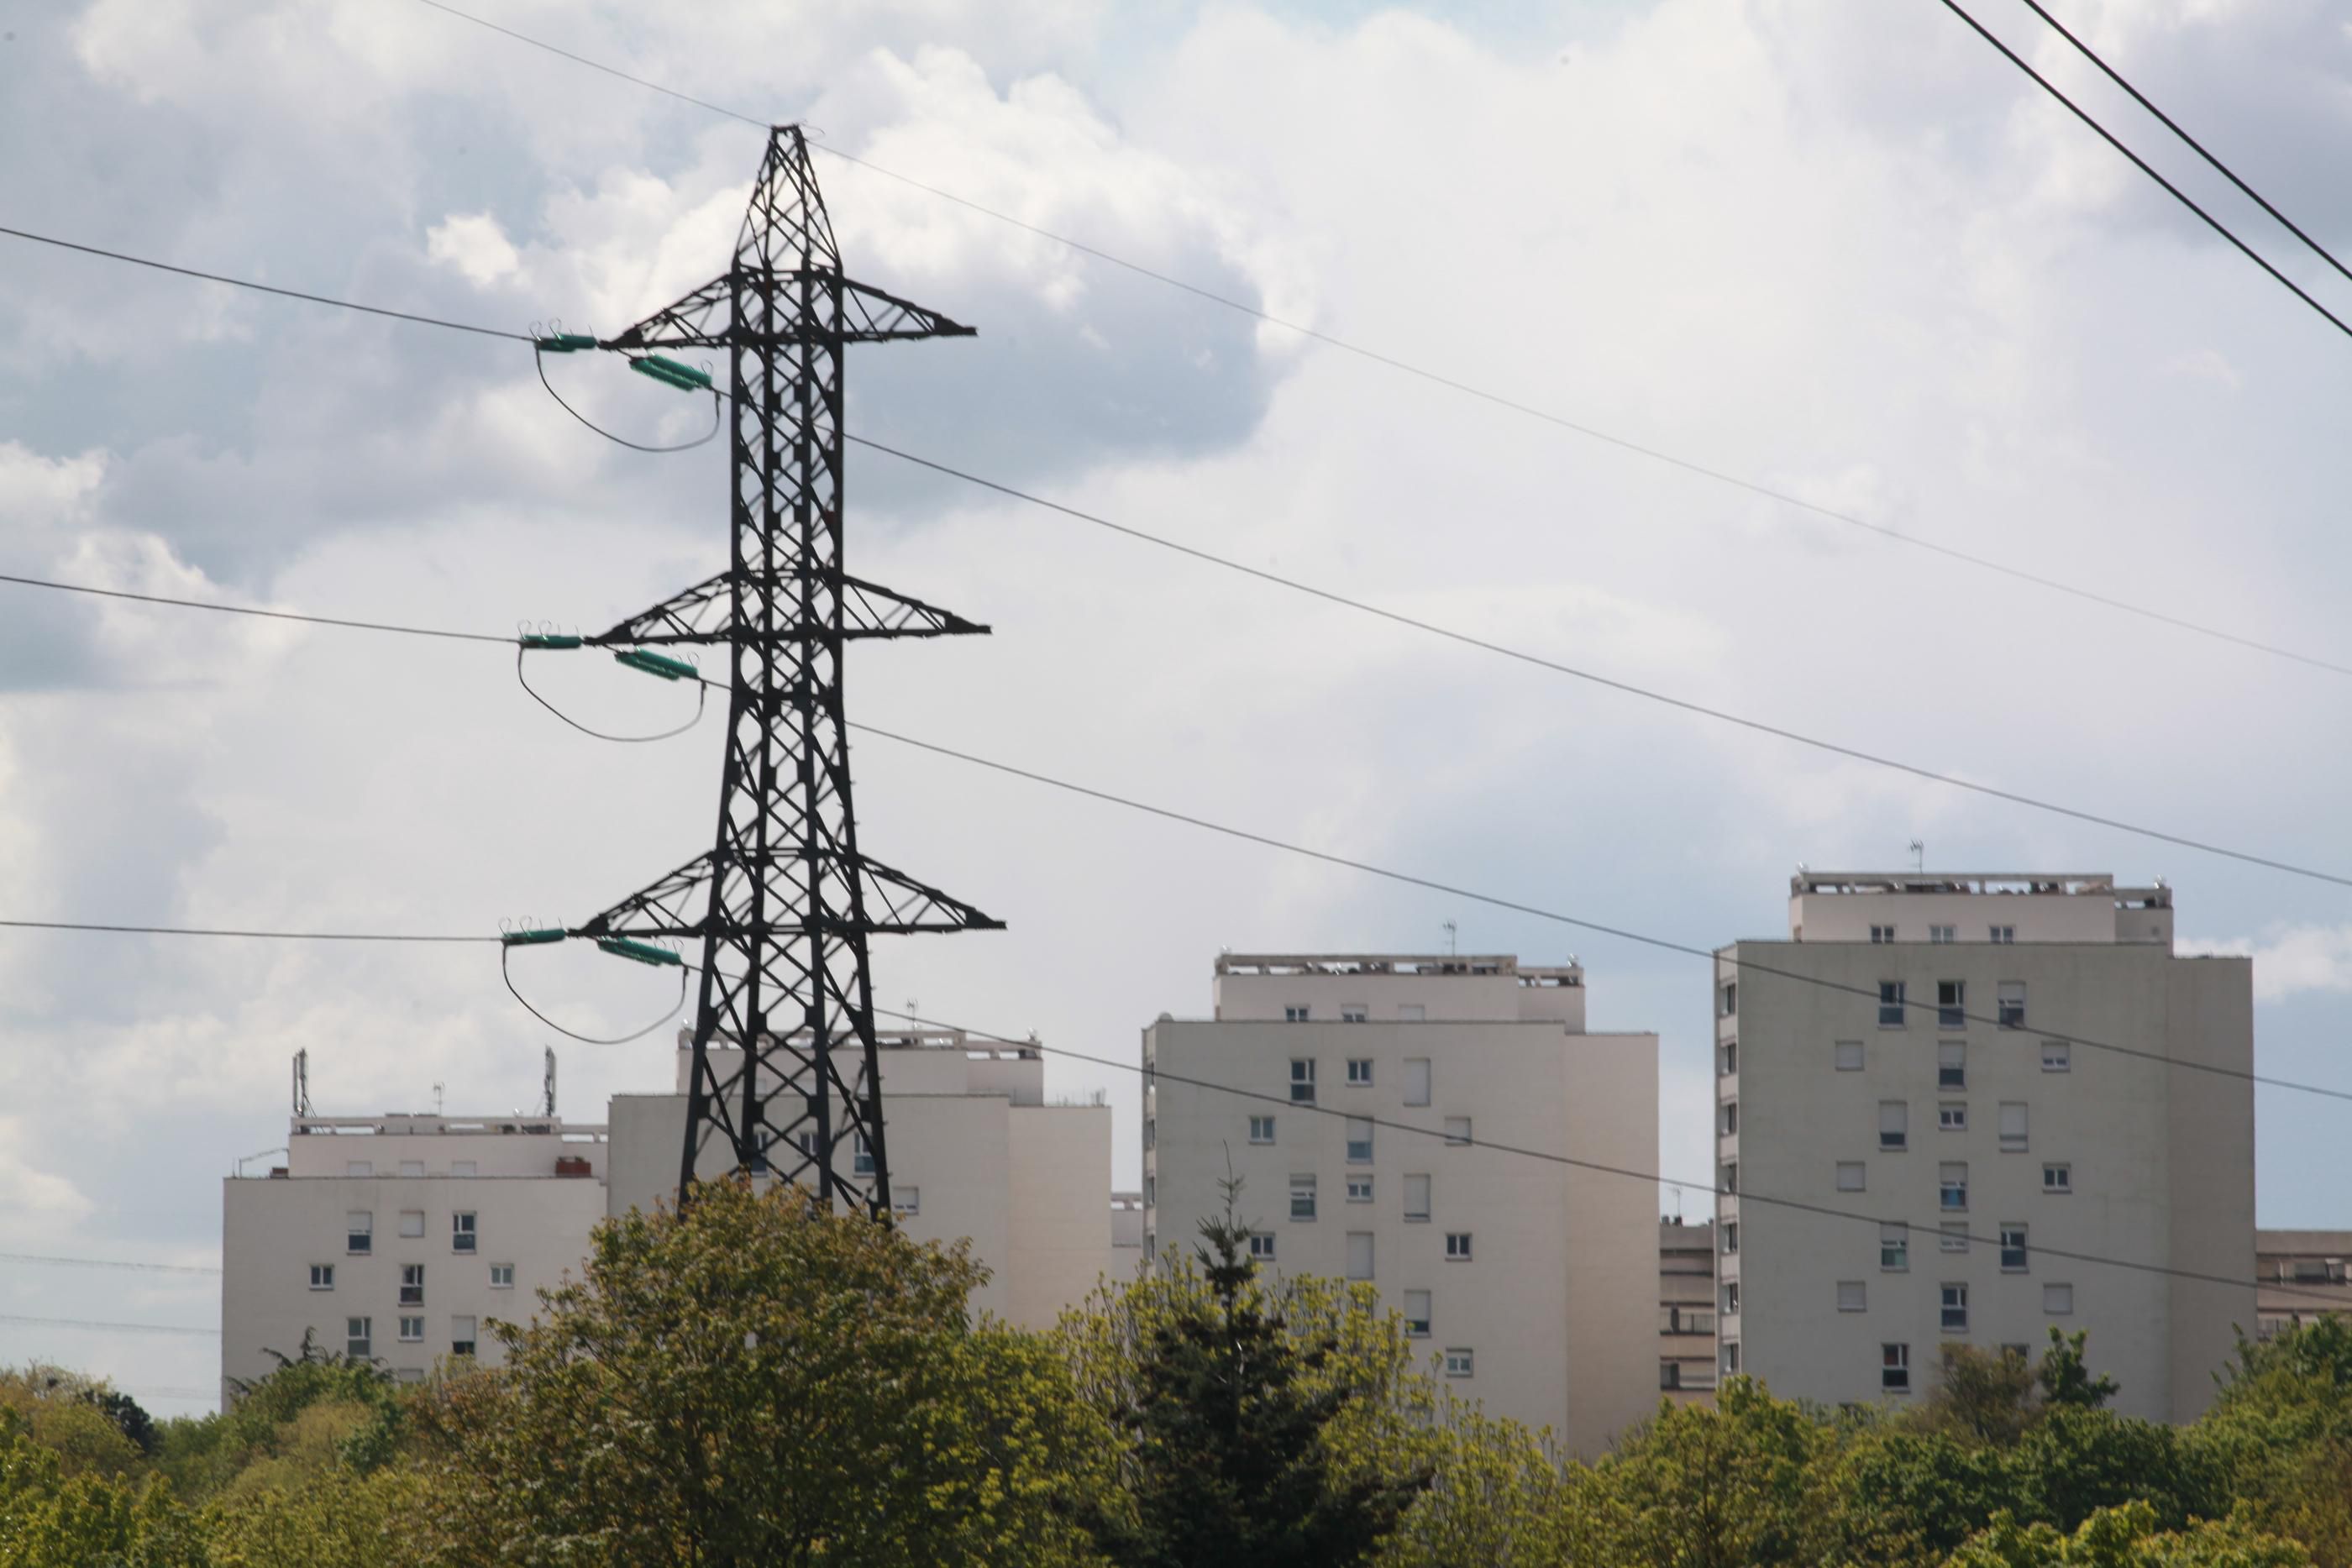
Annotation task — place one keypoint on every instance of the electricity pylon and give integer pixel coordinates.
(784, 901)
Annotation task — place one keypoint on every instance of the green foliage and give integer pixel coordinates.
(761, 1381)
(49, 1519)
(1726, 1487)
(2127, 1537)
(1987, 1397)
(2278, 1440)
(1254, 1427)
(1499, 1498)
(2065, 1376)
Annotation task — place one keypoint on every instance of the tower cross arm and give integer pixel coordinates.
(703, 319)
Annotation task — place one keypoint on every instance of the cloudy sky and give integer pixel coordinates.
(1839, 249)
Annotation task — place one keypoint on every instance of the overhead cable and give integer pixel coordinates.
(117, 1328)
(108, 1263)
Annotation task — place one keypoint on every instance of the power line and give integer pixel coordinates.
(251, 610)
(1623, 444)
(1601, 1167)
(1721, 715)
(108, 1263)
(222, 931)
(94, 1323)
(1435, 629)
(1620, 932)
(2169, 124)
(266, 287)
(2144, 167)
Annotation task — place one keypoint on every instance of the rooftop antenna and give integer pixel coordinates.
(302, 1082)
(546, 1086)
(1919, 854)
(1453, 933)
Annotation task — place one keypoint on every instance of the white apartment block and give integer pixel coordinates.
(1686, 1311)
(400, 1237)
(977, 1150)
(2303, 1276)
(1918, 1053)
(1530, 1283)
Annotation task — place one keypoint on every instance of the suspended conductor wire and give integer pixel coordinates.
(505, 974)
(701, 701)
(704, 439)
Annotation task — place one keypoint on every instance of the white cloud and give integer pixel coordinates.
(2290, 960)
(476, 246)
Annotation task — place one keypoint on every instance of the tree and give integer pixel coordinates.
(2278, 1438)
(1272, 1430)
(2065, 1377)
(1985, 1398)
(758, 1381)
(1726, 1488)
(2127, 1537)
(1500, 1498)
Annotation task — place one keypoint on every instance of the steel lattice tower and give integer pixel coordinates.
(784, 901)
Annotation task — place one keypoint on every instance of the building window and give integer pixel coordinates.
(322, 1276)
(1410, 1012)
(1354, 1012)
(2058, 1300)
(1727, 1058)
(1728, 999)
(1730, 1237)
(411, 1331)
(1894, 1249)
(1457, 1361)
(1730, 1307)
(1302, 1080)
(1359, 1140)
(905, 1199)
(1848, 1056)
(1294, 1015)
(1727, 1118)
(1360, 1254)
(2012, 1247)
(2003, 936)
(1359, 1189)
(1457, 1129)
(1954, 1235)
(1850, 1175)
(1951, 1004)
(1891, 1005)
(1457, 1246)
(2057, 1056)
(412, 1222)
(359, 1338)
(1893, 1125)
(2012, 1124)
(861, 1155)
(1894, 1368)
(1261, 1129)
(412, 1285)
(1952, 1064)
(1360, 1072)
(359, 1231)
(1416, 1198)
(1416, 1080)
(461, 1336)
(1942, 934)
(359, 1167)
(463, 1168)
(1670, 1373)
(412, 1168)
(1881, 934)
(2057, 1178)
(2010, 1004)
(1262, 1246)
(1852, 1296)
(1952, 1184)
(461, 1232)
(501, 1276)
(1416, 1315)
(1730, 1174)
(1150, 1190)
(1302, 1195)
(1952, 1116)
(1956, 1309)
(1151, 1132)
(1730, 1354)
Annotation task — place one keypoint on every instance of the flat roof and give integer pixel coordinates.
(1570, 973)
(2042, 883)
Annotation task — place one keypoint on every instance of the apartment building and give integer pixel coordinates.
(1924, 1051)
(1377, 1078)
(2301, 1276)
(1686, 1311)
(398, 1238)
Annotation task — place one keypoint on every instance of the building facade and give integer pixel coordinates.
(399, 1238)
(2301, 1276)
(1922, 1053)
(1368, 1084)
(1686, 1311)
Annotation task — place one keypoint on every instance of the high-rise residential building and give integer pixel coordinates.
(1371, 1086)
(1923, 1051)
(399, 1238)
(1686, 1311)
(2302, 1276)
